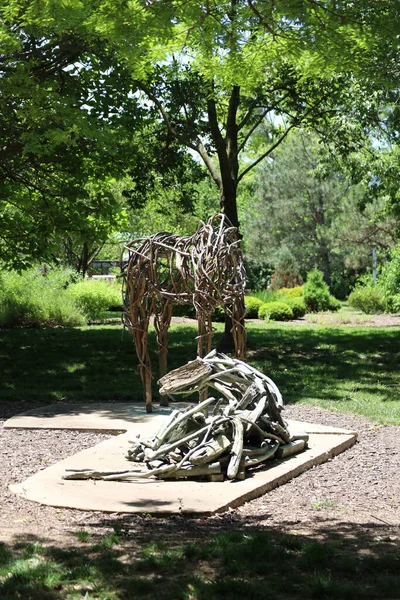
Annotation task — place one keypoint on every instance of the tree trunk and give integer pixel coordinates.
(228, 206)
(326, 264)
(323, 250)
(228, 201)
(227, 151)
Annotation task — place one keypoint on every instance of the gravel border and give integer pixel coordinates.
(360, 487)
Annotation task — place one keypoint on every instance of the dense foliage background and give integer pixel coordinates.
(119, 119)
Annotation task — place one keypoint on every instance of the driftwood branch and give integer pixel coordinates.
(205, 270)
(220, 438)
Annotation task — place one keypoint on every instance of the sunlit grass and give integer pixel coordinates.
(339, 318)
(347, 369)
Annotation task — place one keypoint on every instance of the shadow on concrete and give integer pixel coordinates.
(103, 416)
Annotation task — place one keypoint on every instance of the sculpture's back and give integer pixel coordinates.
(205, 269)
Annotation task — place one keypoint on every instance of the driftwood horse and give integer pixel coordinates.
(205, 269)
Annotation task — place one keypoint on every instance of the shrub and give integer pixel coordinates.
(368, 299)
(61, 277)
(31, 300)
(293, 292)
(266, 295)
(334, 304)
(275, 311)
(183, 310)
(342, 282)
(316, 293)
(298, 307)
(95, 296)
(389, 276)
(252, 305)
(257, 277)
(188, 310)
(219, 315)
(393, 303)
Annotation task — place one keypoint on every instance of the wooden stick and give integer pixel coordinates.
(237, 448)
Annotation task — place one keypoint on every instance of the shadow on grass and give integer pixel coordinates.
(74, 365)
(329, 363)
(181, 560)
(343, 366)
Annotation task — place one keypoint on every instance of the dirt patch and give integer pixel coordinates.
(350, 319)
(359, 488)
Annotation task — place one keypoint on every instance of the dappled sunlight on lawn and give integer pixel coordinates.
(344, 368)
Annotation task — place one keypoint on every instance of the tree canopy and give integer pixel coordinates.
(70, 129)
(98, 89)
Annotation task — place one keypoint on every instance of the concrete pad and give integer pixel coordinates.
(120, 416)
(105, 416)
(153, 496)
(303, 426)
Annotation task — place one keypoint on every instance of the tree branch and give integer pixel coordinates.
(252, 129)
(261, 18)
(265, 154)
(213, 121)
(247, 116)
(209, 164)
(198, 146)
(144, 88)
(218, 139)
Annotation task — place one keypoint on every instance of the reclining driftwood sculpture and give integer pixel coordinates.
(219, 438)
(205, 269)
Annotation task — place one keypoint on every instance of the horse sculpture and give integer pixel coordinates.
(205, 269)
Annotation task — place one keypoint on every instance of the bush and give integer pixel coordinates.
(389, 276)
(275, 311)
(188, 310)
(368, 299)
(219, 315)
(342, 282)
(298, 307)
(294, 292)
(287, 272)
(183, 310)
(31, 300)
(257, 278)
(93, 296)
(266, 295)
(60, 277)
(316, 293)
(252, 306)
(334, 304)
(393, 303)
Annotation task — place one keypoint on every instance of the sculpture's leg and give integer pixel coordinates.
(238, 329)
(204, 332)
(140, 328)
(209, 336)
(201, 333)
(162, 323)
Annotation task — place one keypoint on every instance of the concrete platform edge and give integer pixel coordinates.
(291, 474)
(162, 497)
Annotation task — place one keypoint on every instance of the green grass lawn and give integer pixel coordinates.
(354, 369)
(350, 369)
(245, 564)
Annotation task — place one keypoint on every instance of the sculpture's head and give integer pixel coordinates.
(185, 379)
